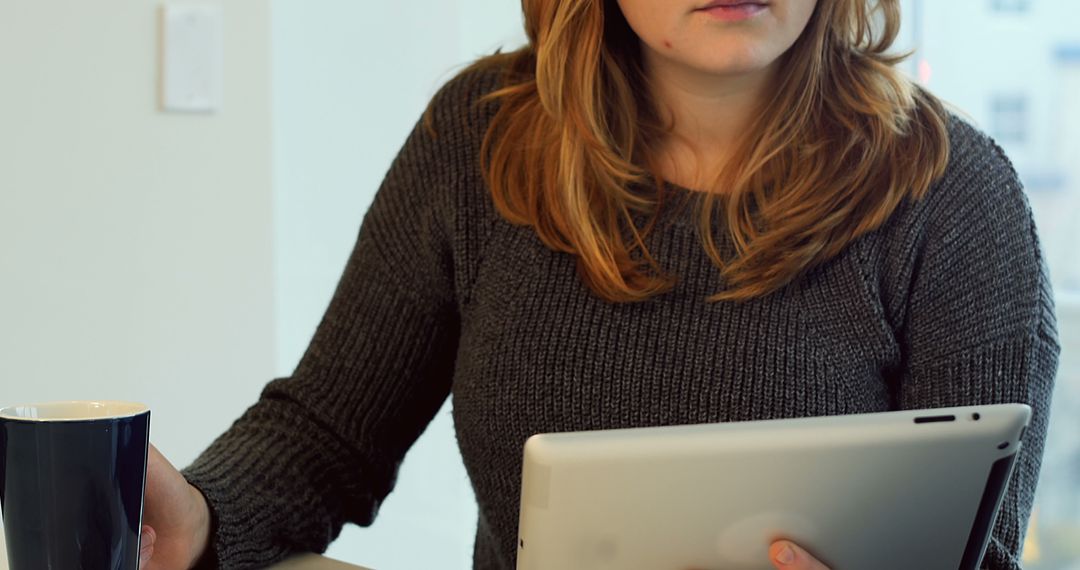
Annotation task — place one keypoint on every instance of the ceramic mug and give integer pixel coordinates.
(72, 476)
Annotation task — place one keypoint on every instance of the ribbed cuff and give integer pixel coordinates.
(997, 557)
(238, 537)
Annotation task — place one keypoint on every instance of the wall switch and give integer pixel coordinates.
(190, 59)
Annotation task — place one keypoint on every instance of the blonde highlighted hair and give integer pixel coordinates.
(843, 140)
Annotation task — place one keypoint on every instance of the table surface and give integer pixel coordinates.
(300, 562)
(314, 562)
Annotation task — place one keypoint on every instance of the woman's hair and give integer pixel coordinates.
(844, 138)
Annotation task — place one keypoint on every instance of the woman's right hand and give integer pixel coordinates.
(176, 518)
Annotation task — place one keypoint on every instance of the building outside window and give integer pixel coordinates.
(1008, 118)
(1010, 5)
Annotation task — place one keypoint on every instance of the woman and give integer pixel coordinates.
(657, 212)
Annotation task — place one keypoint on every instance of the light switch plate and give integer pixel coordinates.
(191, 58)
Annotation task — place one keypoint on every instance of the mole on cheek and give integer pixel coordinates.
(667, 44)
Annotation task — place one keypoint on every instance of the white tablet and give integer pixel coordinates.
(895, 490)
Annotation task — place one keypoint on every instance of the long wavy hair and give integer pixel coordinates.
(571, 150)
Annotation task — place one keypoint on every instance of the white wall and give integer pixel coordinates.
(135, 247)
(139, 252)
(350, 79)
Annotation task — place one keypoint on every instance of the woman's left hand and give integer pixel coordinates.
(788, 556)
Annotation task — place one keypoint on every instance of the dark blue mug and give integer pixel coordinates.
(72, 476)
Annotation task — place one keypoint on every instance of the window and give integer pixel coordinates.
(1008, 118)
(1010, 5)
(1015, 71)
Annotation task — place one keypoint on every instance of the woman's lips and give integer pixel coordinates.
(732, 12)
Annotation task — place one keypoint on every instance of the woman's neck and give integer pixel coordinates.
(708, 113)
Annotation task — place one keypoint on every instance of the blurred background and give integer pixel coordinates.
(1014, 67)
(180, 250)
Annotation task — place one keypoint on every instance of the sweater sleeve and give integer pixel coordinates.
(322, 447)
(980, 325)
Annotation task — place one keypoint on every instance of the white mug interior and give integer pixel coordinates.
(73, 410)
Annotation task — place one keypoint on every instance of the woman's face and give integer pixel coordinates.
(719, 37)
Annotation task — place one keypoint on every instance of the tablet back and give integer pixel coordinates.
(894, 490)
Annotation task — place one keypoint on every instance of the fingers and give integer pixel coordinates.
(788, 556)
(146, 548)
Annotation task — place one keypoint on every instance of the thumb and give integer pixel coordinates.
(786, 555)
(146, 545)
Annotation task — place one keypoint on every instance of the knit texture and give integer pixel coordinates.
(947, 304)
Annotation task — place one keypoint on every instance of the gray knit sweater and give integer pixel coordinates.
(947, 304)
